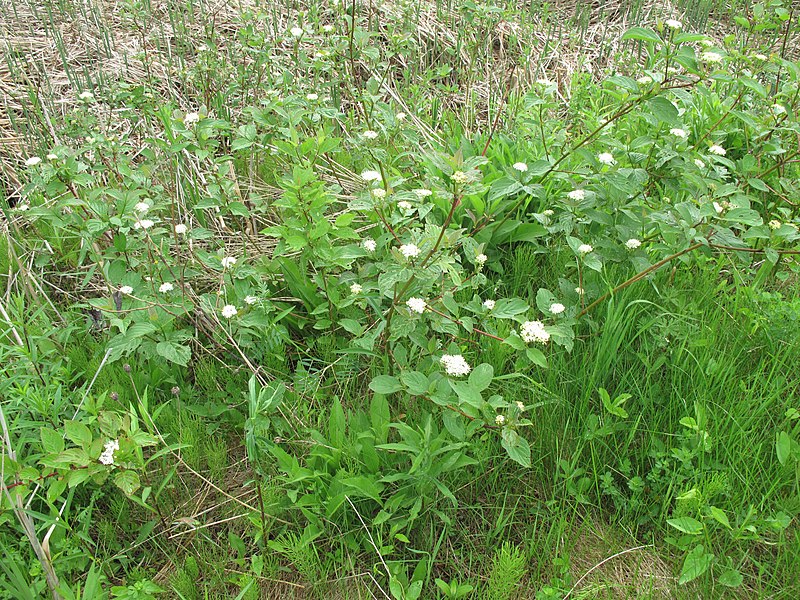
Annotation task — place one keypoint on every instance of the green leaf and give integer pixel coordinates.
(697, 562)
(719, 516)
(731, 578)
(127, 481)
(467, 393)
(643, 35)
(78, 433)
(517, 447)
(687, 525)
(783, 447)
(663, 109)
(481, 376)
(337, 424)
(52, 441)
(509, 307)
(416, 382)
(385, 384)
(179, 354)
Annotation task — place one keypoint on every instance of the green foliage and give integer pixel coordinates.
(320, 313)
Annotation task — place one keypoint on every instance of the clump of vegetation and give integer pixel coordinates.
(342, 299)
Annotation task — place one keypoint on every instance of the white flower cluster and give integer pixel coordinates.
(405, 206)
(369, 245)
(166, 287)
(585, 248)
(717, 149)
(356, 288)
(481, 259)
(229, 311)
(107, 457)
(678, 132)
(577, 195)
(181, 229)
(633, 244)
(370, 135)
(423, 193)
(488, 304)
(455, 365)
(557, 308)
(606, 158)
(416, 305)
(371, 176)
(534, 331)
(228, 262)
(143, 224)
(409, 250)
(126, 290)
(520, 166)
(461, 178)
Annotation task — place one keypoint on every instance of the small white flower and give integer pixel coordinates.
(481, 259)
(520, 406)
(378, 193)
(404, 205)
(500, 420)
(370, 135)
(699, 163)
(548, 213)
(107, 457)
(22, 207)
(312, 97)
(327, 28)
(409, 250)
(534, 331)
(401, 116)
(711, 57)
(455, 365)
(181, 229)
(33, 161)
(577, 195)
(166, 287)
(760, 57)
(678, 132)
(296, 31)
(520, 166)
(717, 149)
(585, 248)
(371, 176)
(718, 207)
(369, 245)
(86, 96)
(774, 224)
(143, 224)
(673, 24)
(606, 158)
(423, 193)
(416, 305)
(356, 288)
(229, 311)
(557, 308)
(488, 304)
(644, 80)
(580, 291)
(250, 299)
(141, 207)
(52, 156)
(633, 244)
(228, 262)
(126, 290)
(191, 119)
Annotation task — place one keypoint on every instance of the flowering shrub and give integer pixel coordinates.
(390, 250)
